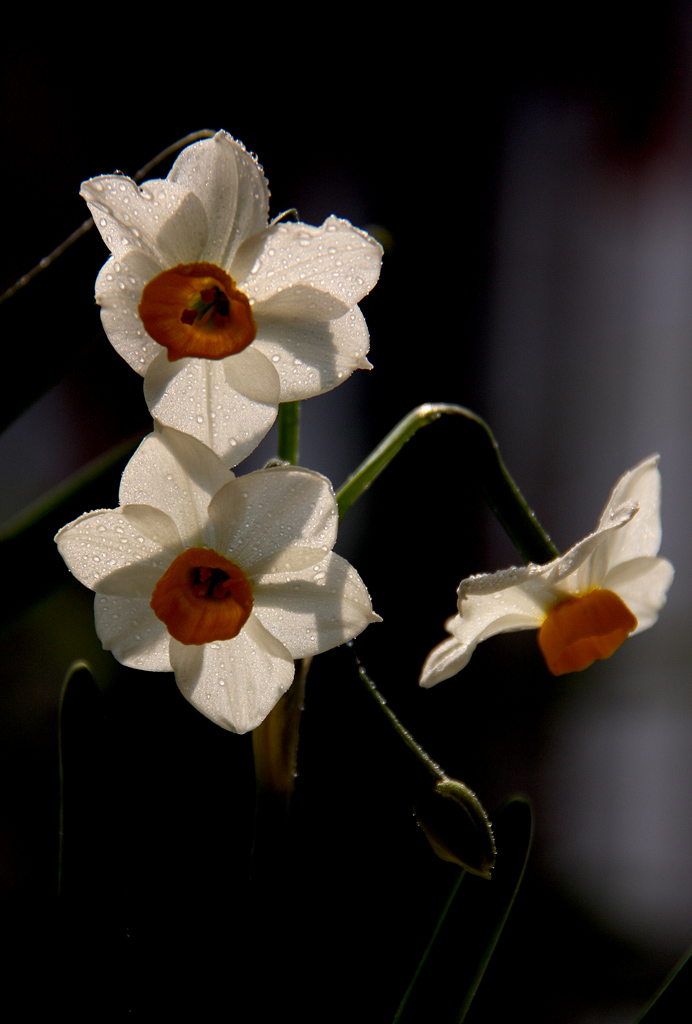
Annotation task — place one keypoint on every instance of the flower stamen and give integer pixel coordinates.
(195, 309)
(202, 597)
(582, 629)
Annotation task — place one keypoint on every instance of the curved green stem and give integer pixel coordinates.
(449, 813)
(481, 450)
(432, 767)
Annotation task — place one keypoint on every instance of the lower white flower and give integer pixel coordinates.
(585, 603)
(224, 581)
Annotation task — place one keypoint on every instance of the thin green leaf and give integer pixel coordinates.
(469, 928)
(671, 1003)
(80, 751)
(404, 1011)
(67, 489)
(93, 907)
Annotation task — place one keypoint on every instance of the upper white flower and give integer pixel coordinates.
(222, 580)
(585, 603)
(194, 259)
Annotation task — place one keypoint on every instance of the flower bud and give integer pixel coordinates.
(456, 826)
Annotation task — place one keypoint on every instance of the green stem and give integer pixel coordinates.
(430, 766)
(481, 450)
(289, 431)
(449, 813)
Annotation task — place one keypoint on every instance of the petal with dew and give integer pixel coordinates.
(99, 544)
(301, 301)
(313, 357)
(173, 471)
(129, 628)
(194, 396)
(641, 485)
(260, 515)
(505, 611)
(161, 218)
(316, 609)
(232, 188)
(118, 292)
(336, 259)
(235, 683)
(586, 563)
(444, 661)
(253, 376)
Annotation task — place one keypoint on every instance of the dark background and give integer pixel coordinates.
(498, 158)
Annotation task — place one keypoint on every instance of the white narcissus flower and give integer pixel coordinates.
(222, 580)
(585, 603)
(224, 315)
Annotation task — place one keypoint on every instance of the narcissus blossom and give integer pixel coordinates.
(223, 314)
(222, 580)
(585, 603)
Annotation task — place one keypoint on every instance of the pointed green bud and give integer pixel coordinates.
(456, 826)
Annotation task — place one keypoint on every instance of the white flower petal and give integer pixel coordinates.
(444, 661)
(316, 609)
(485, 584)
(503, 612)
(585, 564)
(173, 471)
(483, 615)
(300, 302)
(129, 628)
(312, 357)
(118, 292)
(235, 683)
(232, 188)
(100, 543)
(643, 585)
(161, 218)
(641, 485)
(251, 374)
(258, 516)
(336, 259)
(194, 395)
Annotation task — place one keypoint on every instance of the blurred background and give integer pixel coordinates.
(531, 180)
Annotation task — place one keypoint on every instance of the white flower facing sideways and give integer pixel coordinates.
(585, 603)
(223, 314)
(222, 580)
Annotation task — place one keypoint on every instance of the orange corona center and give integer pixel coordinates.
(202, 597)
(195, 309)
(582, 629)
